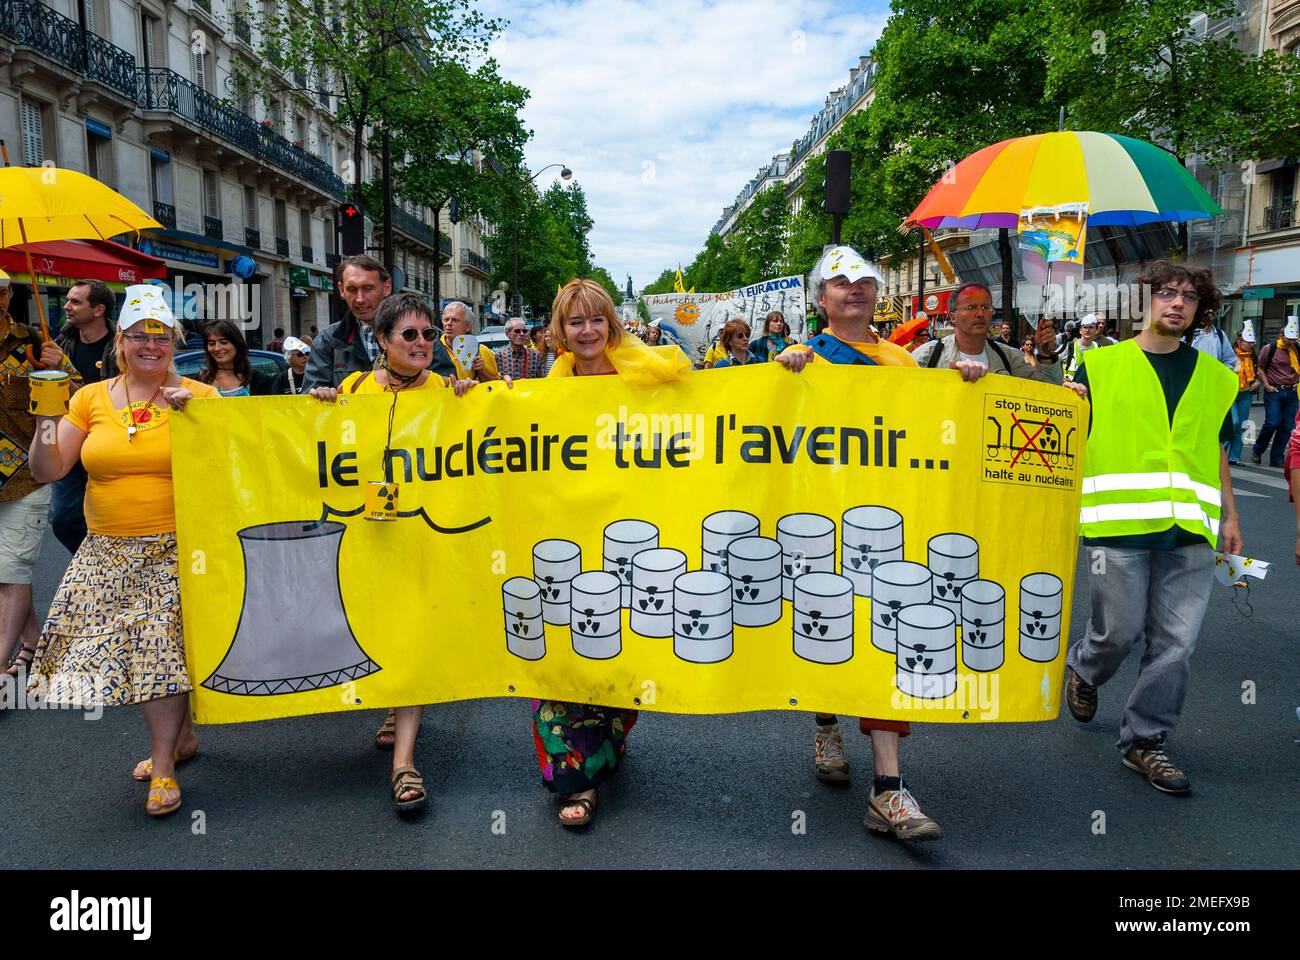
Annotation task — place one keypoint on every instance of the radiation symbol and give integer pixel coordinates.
(687, 314)
(390, 496)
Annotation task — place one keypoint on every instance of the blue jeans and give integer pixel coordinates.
(1279, 417)
(1155, 599)
(67, 508)
(1240, 414)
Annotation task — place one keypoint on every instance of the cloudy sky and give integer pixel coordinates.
(665, 109)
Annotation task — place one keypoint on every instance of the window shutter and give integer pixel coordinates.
(200, 70)
(33, 134)
(210, 194)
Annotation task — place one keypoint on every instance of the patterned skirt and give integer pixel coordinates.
(578, 745)
(113, 636)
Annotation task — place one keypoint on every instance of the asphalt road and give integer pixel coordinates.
(700, 791)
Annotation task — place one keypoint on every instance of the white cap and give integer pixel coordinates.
(294, 345)
(144, 301)
(1248, 332)
(1292, 329)
(847, 262)
(1088, 320)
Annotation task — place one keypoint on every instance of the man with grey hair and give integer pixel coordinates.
(971, 350)
(844, 288)
(515, 360)
(458, 321)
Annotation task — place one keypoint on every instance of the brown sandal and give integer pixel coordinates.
(588, 805)
(386, 735)
(406, 779)
(21, 662)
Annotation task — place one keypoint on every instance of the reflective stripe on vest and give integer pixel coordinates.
(1131, 434)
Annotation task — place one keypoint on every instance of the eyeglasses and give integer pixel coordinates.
(511, 333)
(410, 334)
(977, 308)
(1169, 295)
(154, 338)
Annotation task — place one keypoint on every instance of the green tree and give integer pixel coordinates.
(1140, 69)
(371, 54)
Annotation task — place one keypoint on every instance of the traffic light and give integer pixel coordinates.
(453, 210)
(352, 229)
(837, 181)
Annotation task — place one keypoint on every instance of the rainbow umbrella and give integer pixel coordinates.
(1124, 182)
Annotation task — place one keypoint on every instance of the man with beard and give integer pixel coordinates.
(1156, 497)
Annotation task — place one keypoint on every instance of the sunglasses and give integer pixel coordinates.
(410, 334)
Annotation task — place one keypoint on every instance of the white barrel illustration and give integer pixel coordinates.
(807, 546)
(1041, 596)
(755, 571)
(954, 561)
(823, 618)
(702, 625)
(555, 564)
(597, 614)
(983, 625)
(869, 536)
(653, 573)
(521, 599)
(718, 531)
(624, 539)
(927, 651)
(895, 585)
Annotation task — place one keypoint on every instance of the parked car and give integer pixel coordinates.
(494, 338)
(190, 362)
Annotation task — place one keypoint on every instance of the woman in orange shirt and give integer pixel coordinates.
(407, 337)
(113, 636)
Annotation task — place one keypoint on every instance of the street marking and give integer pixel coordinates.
(1276, 482)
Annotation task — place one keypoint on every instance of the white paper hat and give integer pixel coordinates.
(1248, 332)
(1088, 319)
(145, 301)
(4, 279)
(847, 262)
(294, 345)
(1292, 329)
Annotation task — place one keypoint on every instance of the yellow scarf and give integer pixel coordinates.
(1291, 354)
(638, 364)
(1245, 367)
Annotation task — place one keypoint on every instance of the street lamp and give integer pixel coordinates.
(516, 298)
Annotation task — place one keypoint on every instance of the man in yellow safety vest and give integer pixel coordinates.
(1157, 497)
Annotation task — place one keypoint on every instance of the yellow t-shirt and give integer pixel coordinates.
(129, 493)
(490, 371)
(350, 383)
(882, 351)
(715, 353)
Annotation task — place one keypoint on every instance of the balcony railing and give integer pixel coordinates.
(163, 89)
(33, 24)
(1280, 216)
(306, 253)
(253, 238)
(212, 228)
(476, 260)
(165, 214)
(282, 246)
(243, 31)
(413, 225)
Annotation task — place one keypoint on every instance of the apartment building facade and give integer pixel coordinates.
(145, 96)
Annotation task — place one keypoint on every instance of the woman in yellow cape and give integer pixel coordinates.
(581, 745)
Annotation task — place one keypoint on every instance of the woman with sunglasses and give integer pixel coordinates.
(580, 745)
(407, 338)
(113, 636)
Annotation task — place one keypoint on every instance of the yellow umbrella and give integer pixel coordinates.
(49, 203)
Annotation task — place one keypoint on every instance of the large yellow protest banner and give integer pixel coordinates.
(879, 542)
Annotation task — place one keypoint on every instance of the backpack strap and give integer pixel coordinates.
(837, 351)
(359, 381)
(936, 352)
(997, 348)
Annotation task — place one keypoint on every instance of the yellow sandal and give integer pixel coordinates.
(156, 787)
(143, 771)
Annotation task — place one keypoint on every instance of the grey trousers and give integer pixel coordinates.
(1156, 595)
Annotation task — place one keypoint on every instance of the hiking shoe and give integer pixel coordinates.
(897, 812)
(1080, 697)
(829, 761)
(1148, 758)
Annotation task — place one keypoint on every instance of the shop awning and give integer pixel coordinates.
(82, 260)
